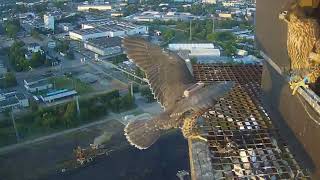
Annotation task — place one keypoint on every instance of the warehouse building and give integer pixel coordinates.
(58, 95)
(107, 29)
(104, 46)
(196, 50)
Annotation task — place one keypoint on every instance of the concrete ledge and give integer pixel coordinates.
(308, 95)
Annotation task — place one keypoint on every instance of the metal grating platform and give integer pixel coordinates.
(242, 141)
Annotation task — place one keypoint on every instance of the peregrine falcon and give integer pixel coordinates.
(172, 84)
(303, 44)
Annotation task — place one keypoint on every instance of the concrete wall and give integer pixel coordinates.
(291, 113)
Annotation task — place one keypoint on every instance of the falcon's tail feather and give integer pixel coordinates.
(142, 133)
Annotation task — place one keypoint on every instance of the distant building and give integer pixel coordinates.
(116, 14)
(202, 49)
(13, 100)
(3, 70)
(242, 52)
(51, 44)
(209, 1)
(36, 85)
(183, 1)
(225, 15)
(66, 27)
(107, 29)
(104, 46)
(57, 95)
(34, 47)
(100, 7)
(48, 21)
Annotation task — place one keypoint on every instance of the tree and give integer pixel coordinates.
(12, 29)
(130, 9)
(48, 120)
(37, 59)
(193, 60)
(139, 73)
(168, 34)
(146, 92)
(69, 116)
(10, 79)
(35, 34)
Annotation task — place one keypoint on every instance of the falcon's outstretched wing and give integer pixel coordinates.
(167, 73)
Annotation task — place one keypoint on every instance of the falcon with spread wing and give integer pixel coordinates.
(175, 89)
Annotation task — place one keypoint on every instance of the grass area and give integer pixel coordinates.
(71, 83)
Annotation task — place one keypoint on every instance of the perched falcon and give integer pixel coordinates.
(175, 89)
(303, 42)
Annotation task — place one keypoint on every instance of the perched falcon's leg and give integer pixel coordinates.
(295, 85)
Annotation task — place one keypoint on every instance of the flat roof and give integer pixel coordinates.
(105, 42)
(8, 102)
(34, 79)
(39, 83)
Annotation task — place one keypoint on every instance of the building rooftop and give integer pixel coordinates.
(105, 42)
(8, 102)
(242, 140)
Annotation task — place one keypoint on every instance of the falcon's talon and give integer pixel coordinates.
(198, 137)
(295, 85)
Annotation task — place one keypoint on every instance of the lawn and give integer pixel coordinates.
(71, 83)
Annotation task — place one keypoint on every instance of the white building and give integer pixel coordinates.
(242, 52)
(104, 46)
(36, 85)
(48, 22)
(225, 15)
(209, 1)
(197, 50)
(113, 29)
(100, 7)
(34, 47)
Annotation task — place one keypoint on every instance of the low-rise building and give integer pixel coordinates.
(34, 47)
(107, 29)
(13, 100)
(57, 95)
(37, 85)
(242, 52)
(104, 46)
(66, 27)
(225, 15)
(201, 49)
(100, 7)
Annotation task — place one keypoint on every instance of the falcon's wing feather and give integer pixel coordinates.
(167, 73)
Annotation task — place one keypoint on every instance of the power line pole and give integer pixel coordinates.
(131, 88)
(78, 106)
(14, 125)
(190, 37)
(212, 24)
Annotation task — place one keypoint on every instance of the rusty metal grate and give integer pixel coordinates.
(241, 137)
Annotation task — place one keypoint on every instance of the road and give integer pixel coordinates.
(54, 135)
